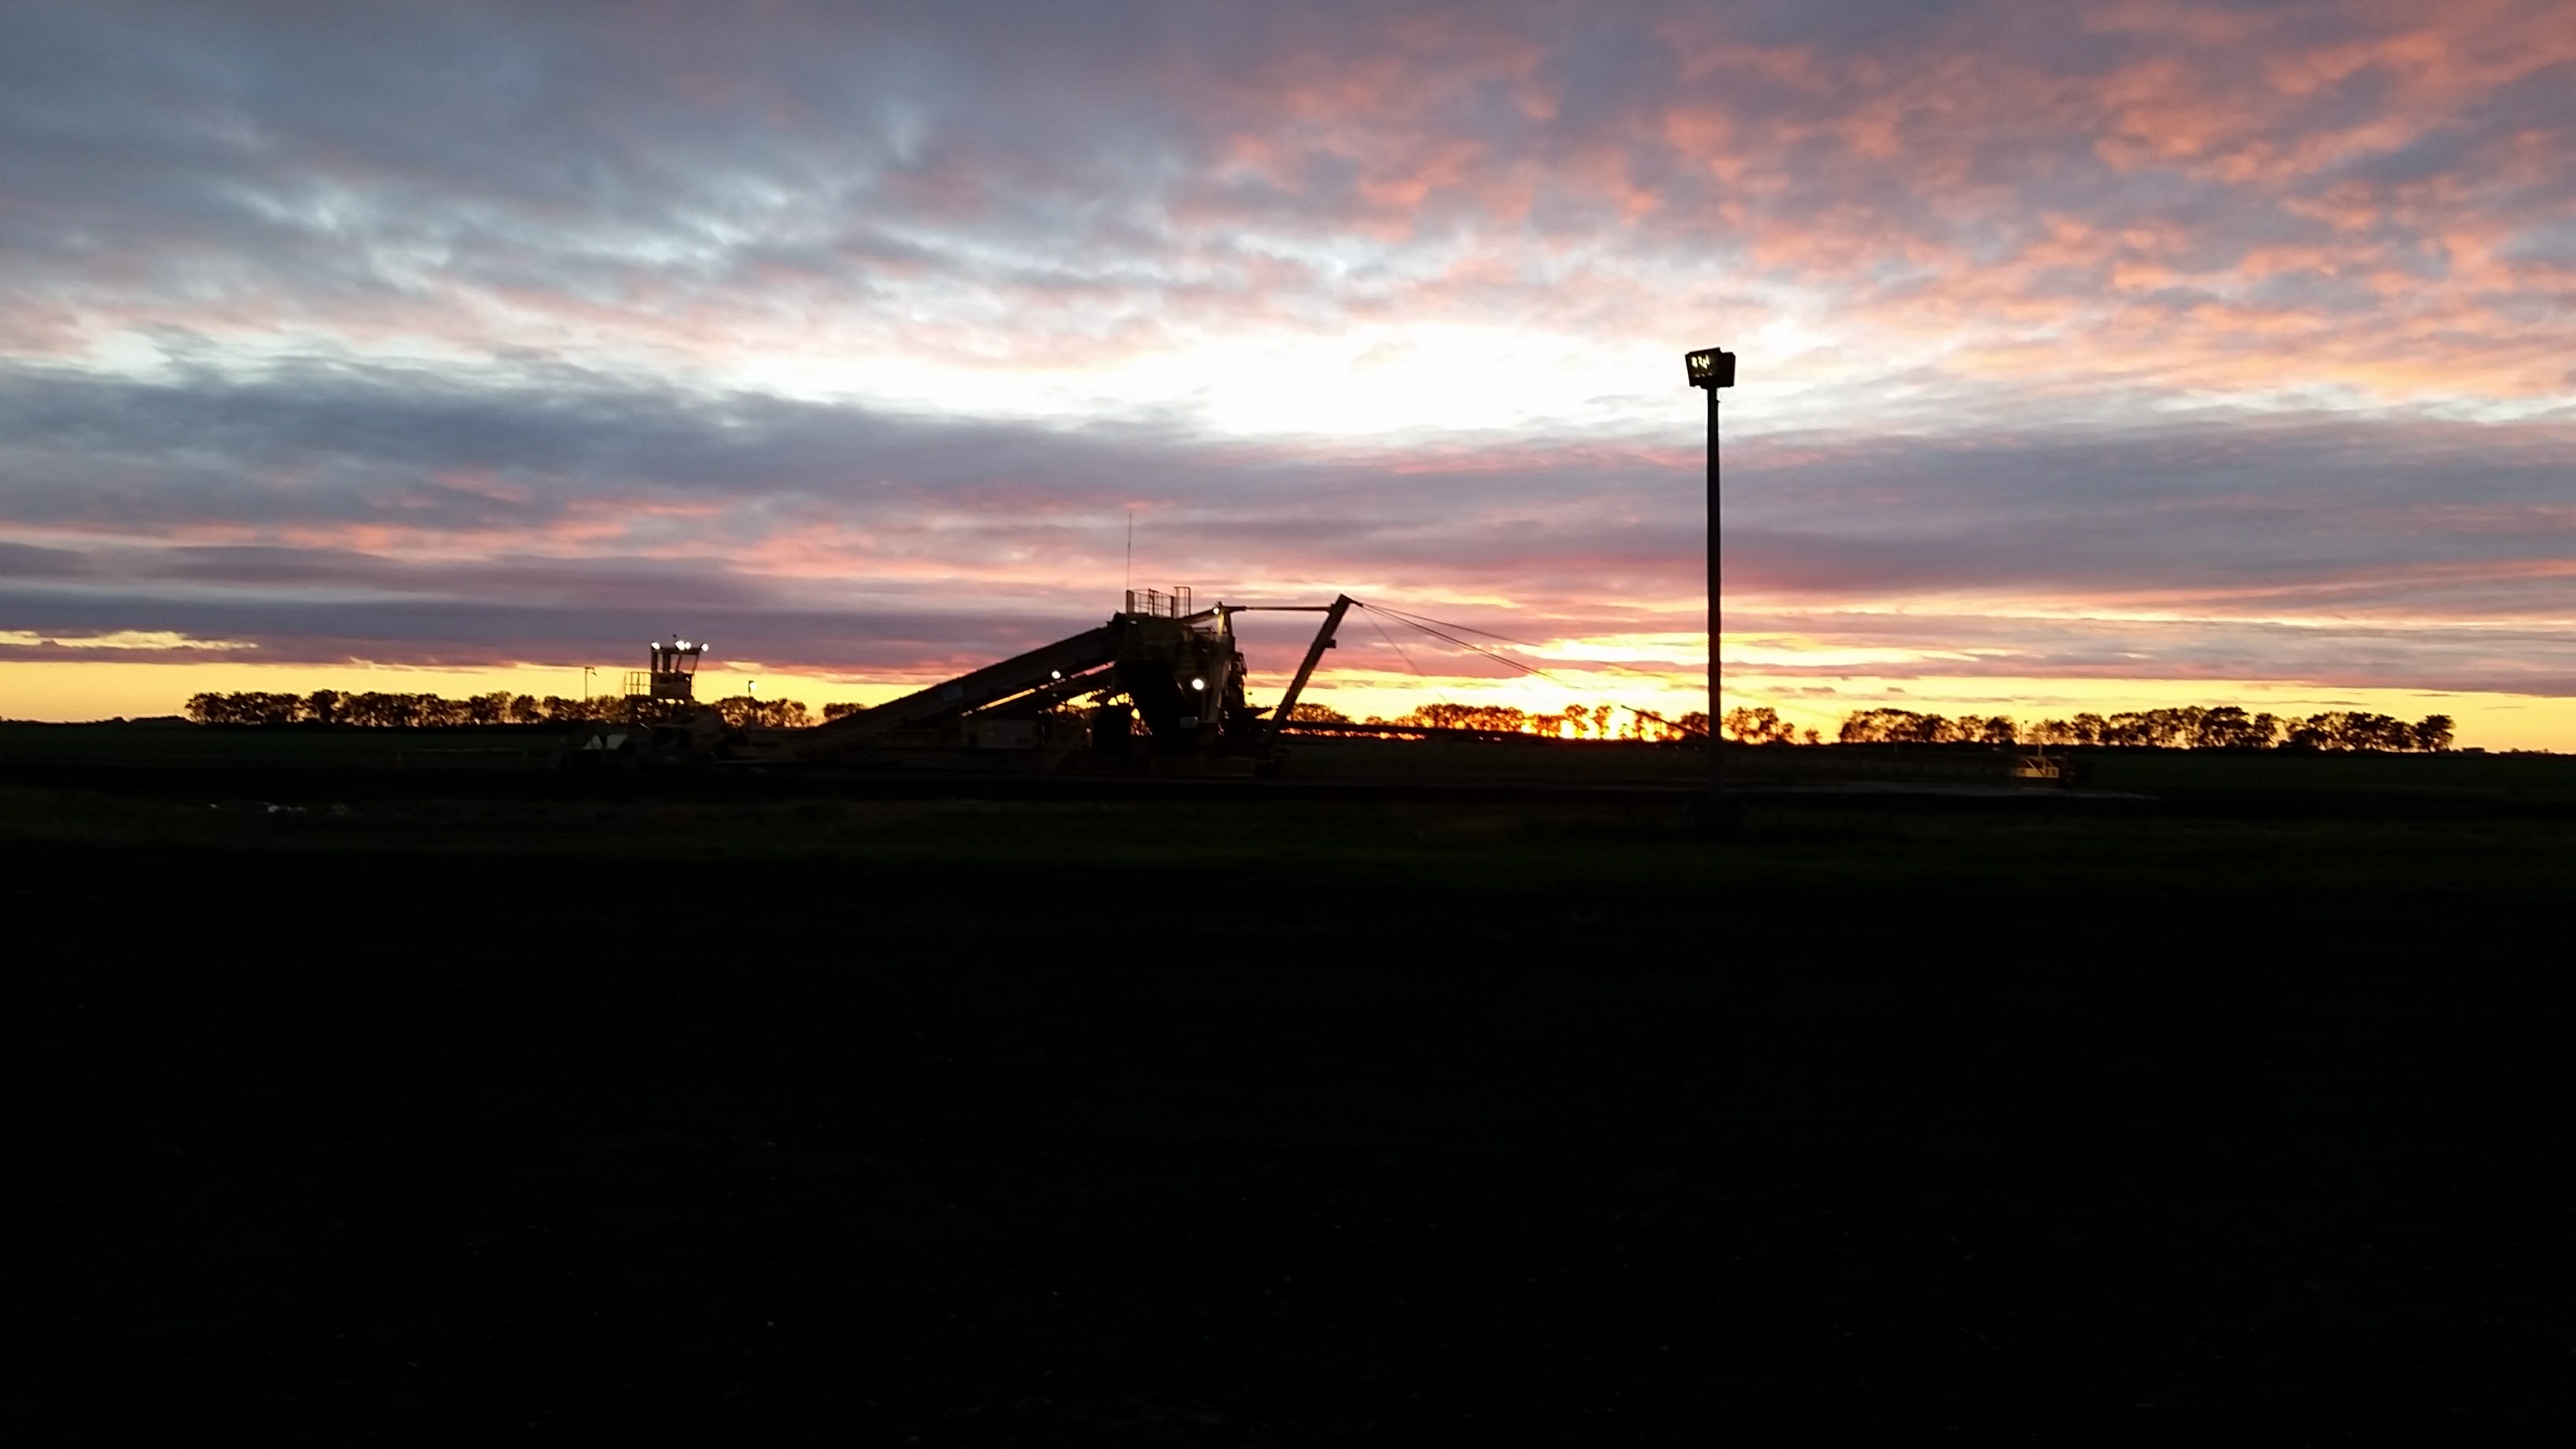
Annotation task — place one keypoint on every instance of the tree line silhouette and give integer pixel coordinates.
(2194, 727)
(1574, 722)
(430, 711)
(2222, 727)
(376, 710)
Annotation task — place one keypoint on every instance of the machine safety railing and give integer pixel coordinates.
(1155, 604)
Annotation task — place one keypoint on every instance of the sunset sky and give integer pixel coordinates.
(2094, 356)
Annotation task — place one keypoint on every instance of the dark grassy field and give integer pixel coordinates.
(501, 1114)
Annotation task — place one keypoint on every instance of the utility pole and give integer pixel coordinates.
(1711, 369)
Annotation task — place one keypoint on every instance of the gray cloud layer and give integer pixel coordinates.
(354, 512)
(2128, 338)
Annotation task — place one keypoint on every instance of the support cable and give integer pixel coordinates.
(1391, 644)
(1445, 624)
(1531, 669)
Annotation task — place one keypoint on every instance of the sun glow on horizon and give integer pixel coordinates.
(97, 690)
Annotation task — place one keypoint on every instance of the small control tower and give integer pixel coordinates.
(673, 675)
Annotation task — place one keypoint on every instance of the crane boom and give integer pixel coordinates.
(1306, 668)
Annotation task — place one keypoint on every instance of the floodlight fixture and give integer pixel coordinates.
(1710, 368)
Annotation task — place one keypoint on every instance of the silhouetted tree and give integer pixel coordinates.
(1575, 721)
(1471, 717)
(741, 711)
(1758, 725)
(2229, 727)
(2221, 727)
(2128, 729)
(1892, 727)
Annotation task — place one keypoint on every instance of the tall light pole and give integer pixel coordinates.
(1711, 369)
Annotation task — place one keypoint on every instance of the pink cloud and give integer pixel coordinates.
(1965, 238)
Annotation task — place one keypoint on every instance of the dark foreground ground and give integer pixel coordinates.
(599, 1120)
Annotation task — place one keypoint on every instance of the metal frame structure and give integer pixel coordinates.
(1177, 668)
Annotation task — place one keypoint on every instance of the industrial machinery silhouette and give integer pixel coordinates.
(673, 675)
(1161, 678)
(1160, 684)
(661, 720)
